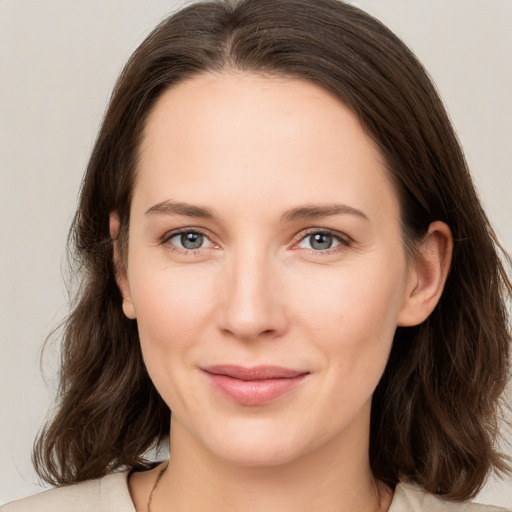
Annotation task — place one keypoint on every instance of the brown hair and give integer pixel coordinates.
(436, 410)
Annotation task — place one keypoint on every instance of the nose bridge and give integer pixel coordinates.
(251, 306)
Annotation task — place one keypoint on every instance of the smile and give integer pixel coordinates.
(253, 386)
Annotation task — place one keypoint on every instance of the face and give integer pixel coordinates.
(266, 266)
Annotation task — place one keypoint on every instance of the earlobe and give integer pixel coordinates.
(120, 267)
(428, 275)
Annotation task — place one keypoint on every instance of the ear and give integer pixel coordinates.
(427, 276)
(120, 267)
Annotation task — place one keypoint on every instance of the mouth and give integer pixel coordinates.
(253, 386)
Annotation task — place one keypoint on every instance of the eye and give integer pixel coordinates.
(189, 240)
(322, 241)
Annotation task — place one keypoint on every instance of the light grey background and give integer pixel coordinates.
(58, 63)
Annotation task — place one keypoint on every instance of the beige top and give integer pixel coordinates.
(111, 494)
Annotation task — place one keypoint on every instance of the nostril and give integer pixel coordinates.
(248, 334)
(247, 311)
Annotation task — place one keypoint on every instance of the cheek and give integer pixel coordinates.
(350, 315)
(172, 306)
(365, 298)
(173, 309)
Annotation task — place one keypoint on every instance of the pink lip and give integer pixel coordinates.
(253, 386)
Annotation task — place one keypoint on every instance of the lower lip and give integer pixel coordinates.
(254, 392)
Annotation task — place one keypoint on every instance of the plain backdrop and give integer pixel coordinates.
(58, 62)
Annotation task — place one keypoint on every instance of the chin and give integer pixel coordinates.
(257, 456)
(257, 445)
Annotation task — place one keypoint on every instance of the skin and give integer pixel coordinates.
(258, 153)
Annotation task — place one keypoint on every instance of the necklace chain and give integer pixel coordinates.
(155, 485)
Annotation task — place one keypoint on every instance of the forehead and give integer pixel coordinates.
(245, 134)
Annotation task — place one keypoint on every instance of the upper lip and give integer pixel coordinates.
(254, 373)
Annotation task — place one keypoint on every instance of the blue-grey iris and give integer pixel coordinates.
(321, 241)
(191, 240)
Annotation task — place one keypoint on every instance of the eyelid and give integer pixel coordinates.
(164, 240)
(345, 240)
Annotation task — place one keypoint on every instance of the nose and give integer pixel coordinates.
(252, 304)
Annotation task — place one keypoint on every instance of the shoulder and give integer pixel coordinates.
(411, 498)
(101, 495)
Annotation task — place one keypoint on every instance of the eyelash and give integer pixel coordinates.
(344, 240)
(168, 236)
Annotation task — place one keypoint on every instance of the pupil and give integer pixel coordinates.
(191, 240)
(321, 241)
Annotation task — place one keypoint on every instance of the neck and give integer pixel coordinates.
(335, 477)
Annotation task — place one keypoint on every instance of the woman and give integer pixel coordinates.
(281, 244)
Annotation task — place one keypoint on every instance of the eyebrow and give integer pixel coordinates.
(185, 209)
(318, 211)
(299, 213)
